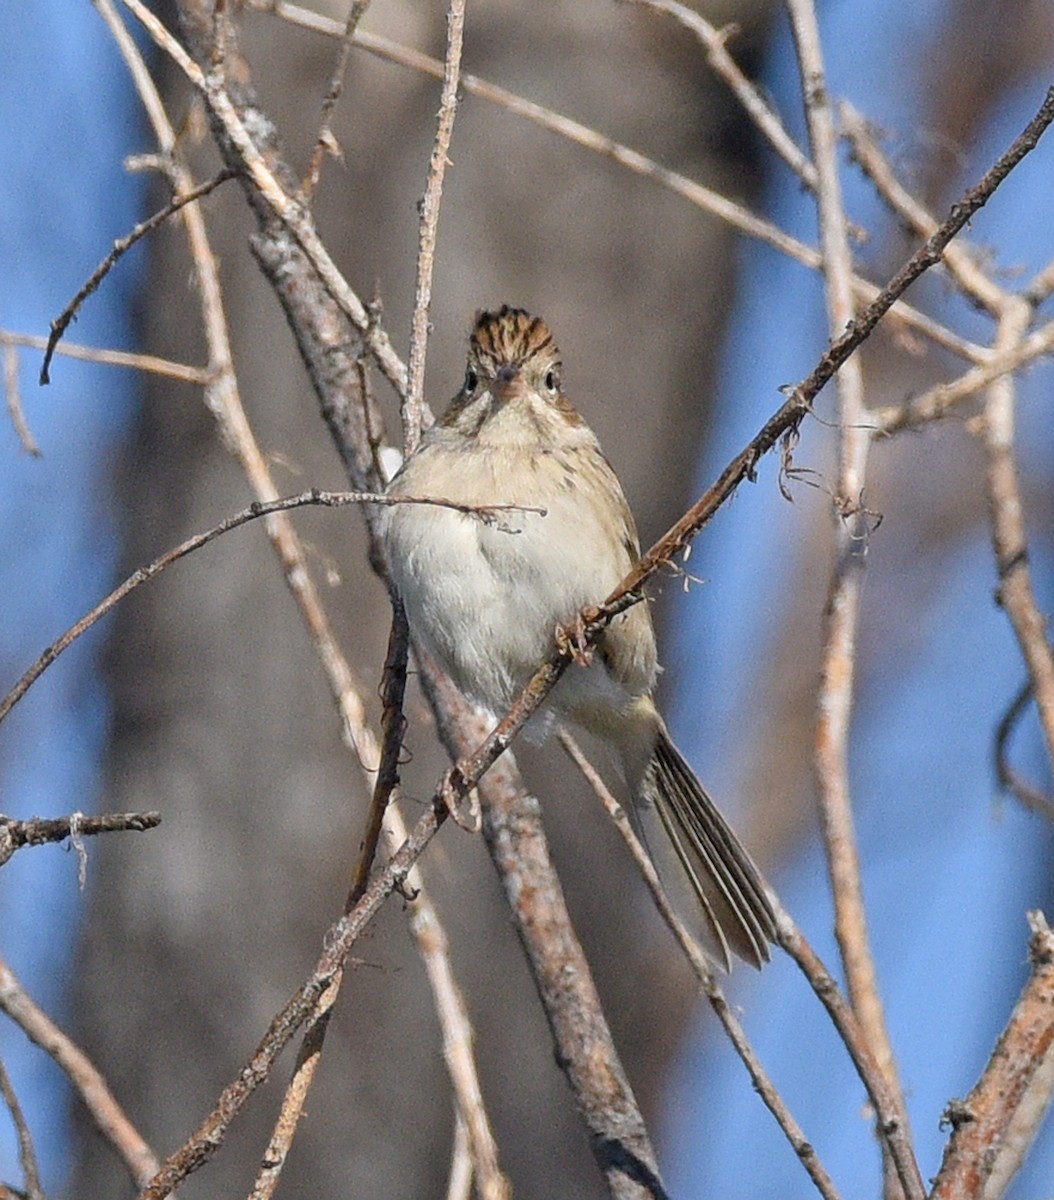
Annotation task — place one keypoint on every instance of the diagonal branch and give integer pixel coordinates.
(109, 1117)
(1003, 1112)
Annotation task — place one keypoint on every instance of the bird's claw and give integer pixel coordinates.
(571, 639)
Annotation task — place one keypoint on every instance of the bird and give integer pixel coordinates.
(488, 599)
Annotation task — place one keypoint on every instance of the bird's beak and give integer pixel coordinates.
(508, 384)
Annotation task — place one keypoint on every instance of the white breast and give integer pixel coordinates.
(487, 598)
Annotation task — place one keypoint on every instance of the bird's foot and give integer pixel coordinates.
(571, 639)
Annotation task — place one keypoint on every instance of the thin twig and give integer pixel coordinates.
(746, 92)
(458, 1035)
(1029, 795)
(97, 1098)
(412, 407)
(895, 1135)
(149, 363)
(936, 402)
(393, 726)
(958, 257)
(37, 831)
(337, 943)
(14, 399)
(1002, 1114)
(842, 612)
(27, 1154)
(695, 193)
(325, 142)
(120, 247)
(308, 1057)
(255, 510)
(704, 972)
(1015, 592)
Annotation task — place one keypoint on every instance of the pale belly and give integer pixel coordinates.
(487, 599)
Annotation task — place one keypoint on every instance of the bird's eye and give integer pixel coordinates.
(471, 379)
(550, 380)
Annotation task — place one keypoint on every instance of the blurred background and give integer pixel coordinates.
(202, 697)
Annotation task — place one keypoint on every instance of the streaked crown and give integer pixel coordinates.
(510, 337)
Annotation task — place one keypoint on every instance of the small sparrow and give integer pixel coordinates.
(487, 601)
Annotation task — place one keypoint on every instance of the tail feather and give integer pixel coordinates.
(737, 917)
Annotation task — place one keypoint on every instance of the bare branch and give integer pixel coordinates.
(104, 1110)
(113, 358)
(1004, 1110)
(705, 198)
(307, 1059)
(704, 972)
(413, 411)
(458, 1037)
(747, 93)
(324, 142)
(120, 247)
(1009, 542)
(14, 399)
(894, 1134)
(27, 1154)
(340, 937)
(37, 831)
(842, 612)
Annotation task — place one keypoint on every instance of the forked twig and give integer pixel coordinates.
(120, 247)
